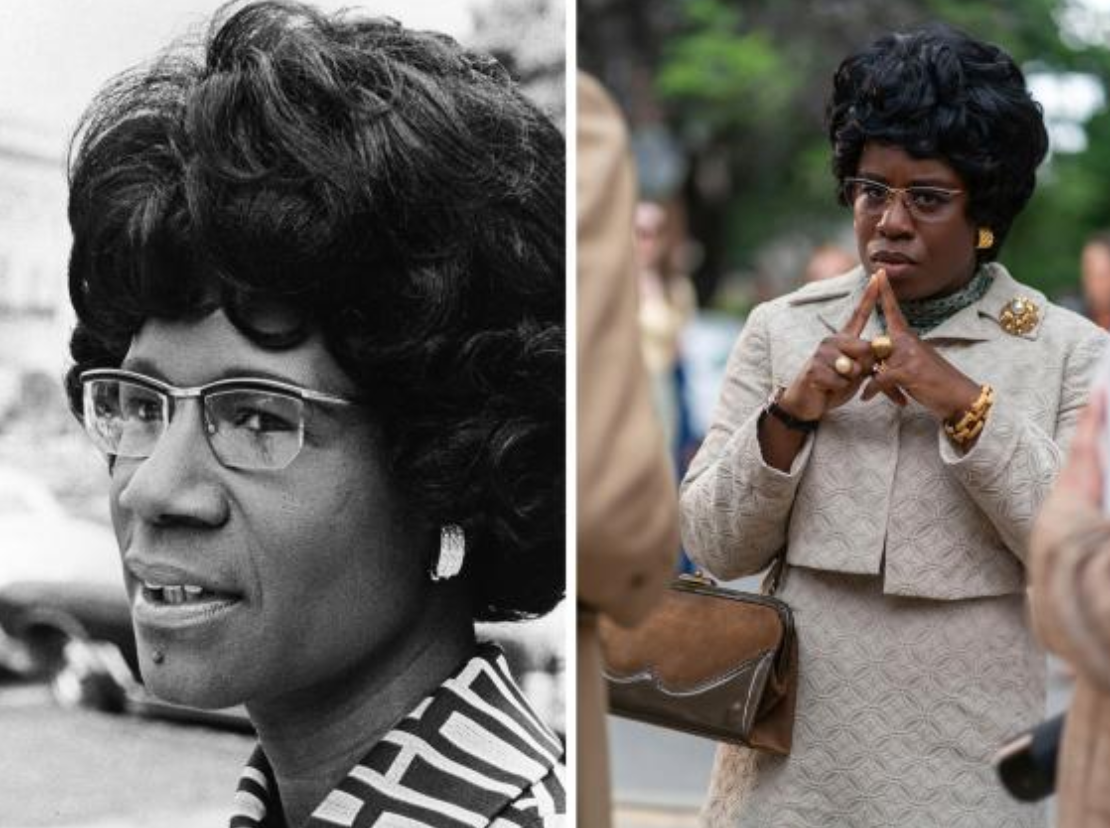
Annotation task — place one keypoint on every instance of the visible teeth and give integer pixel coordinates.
(175, 594)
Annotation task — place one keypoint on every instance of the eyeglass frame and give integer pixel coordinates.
(903, 193)
(173, 393)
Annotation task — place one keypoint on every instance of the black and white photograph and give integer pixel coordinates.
(282, 414)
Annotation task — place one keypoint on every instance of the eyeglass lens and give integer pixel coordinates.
(246, 428)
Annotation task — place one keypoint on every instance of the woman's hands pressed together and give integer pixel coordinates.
(844, 362)
(915, 369)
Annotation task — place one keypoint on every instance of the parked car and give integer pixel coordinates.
(43, 543)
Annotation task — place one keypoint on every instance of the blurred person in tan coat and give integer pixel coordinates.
(627, 501)
(1070, 579)
(667, 305)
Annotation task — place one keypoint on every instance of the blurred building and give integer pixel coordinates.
(527, 37)
(34, 245)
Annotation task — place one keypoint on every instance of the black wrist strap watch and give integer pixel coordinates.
(773, 408)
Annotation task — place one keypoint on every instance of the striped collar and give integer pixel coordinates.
(471, 754)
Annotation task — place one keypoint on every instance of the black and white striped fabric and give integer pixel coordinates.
(472, 754)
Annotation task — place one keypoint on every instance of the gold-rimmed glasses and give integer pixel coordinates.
(923, 202)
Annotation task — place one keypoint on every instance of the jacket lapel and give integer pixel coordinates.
(977, 322)
(981, 321)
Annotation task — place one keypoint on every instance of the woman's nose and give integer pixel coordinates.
(896, 220)
(180, 482)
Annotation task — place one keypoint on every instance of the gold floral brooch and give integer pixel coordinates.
(1019, 316)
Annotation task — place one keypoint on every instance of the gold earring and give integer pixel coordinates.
(986, 239)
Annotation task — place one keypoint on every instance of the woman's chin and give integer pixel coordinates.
(178, 684)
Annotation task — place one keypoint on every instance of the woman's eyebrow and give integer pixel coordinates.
(141, 365)
(922, 181)
(939, 183)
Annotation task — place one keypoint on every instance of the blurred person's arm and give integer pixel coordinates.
(627, 503)
(1070, 558)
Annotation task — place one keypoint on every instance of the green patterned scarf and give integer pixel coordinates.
(925, 314)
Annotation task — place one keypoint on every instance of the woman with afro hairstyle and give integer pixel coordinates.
(894, 430)
(318, 270)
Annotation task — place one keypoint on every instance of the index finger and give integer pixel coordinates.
(895, 321)
(858, 319)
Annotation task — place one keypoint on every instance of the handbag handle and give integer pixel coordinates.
(771, 581)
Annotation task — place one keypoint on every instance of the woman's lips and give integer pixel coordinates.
(167, 597)
(149, 608)
(894, 265)
(897, 270)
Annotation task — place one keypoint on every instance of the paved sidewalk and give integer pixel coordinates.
(632, 816)
(80, 769)
(163, 819)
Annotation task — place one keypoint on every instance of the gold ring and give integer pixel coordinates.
(880, 366)
(882, 347)
(844, 365)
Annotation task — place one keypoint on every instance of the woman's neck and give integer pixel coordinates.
(313, 737)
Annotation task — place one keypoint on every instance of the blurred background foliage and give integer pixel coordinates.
(726, 101)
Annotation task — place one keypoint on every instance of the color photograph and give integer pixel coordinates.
(843, 281)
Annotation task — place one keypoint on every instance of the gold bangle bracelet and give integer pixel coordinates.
(968, 426)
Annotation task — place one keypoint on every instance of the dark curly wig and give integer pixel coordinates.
(938, 93)
(386, 188)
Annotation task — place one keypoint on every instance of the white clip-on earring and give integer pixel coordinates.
(452, 551)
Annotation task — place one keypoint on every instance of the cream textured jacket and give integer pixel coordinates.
(877, 480)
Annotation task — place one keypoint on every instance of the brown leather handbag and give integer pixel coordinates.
(710, 661)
